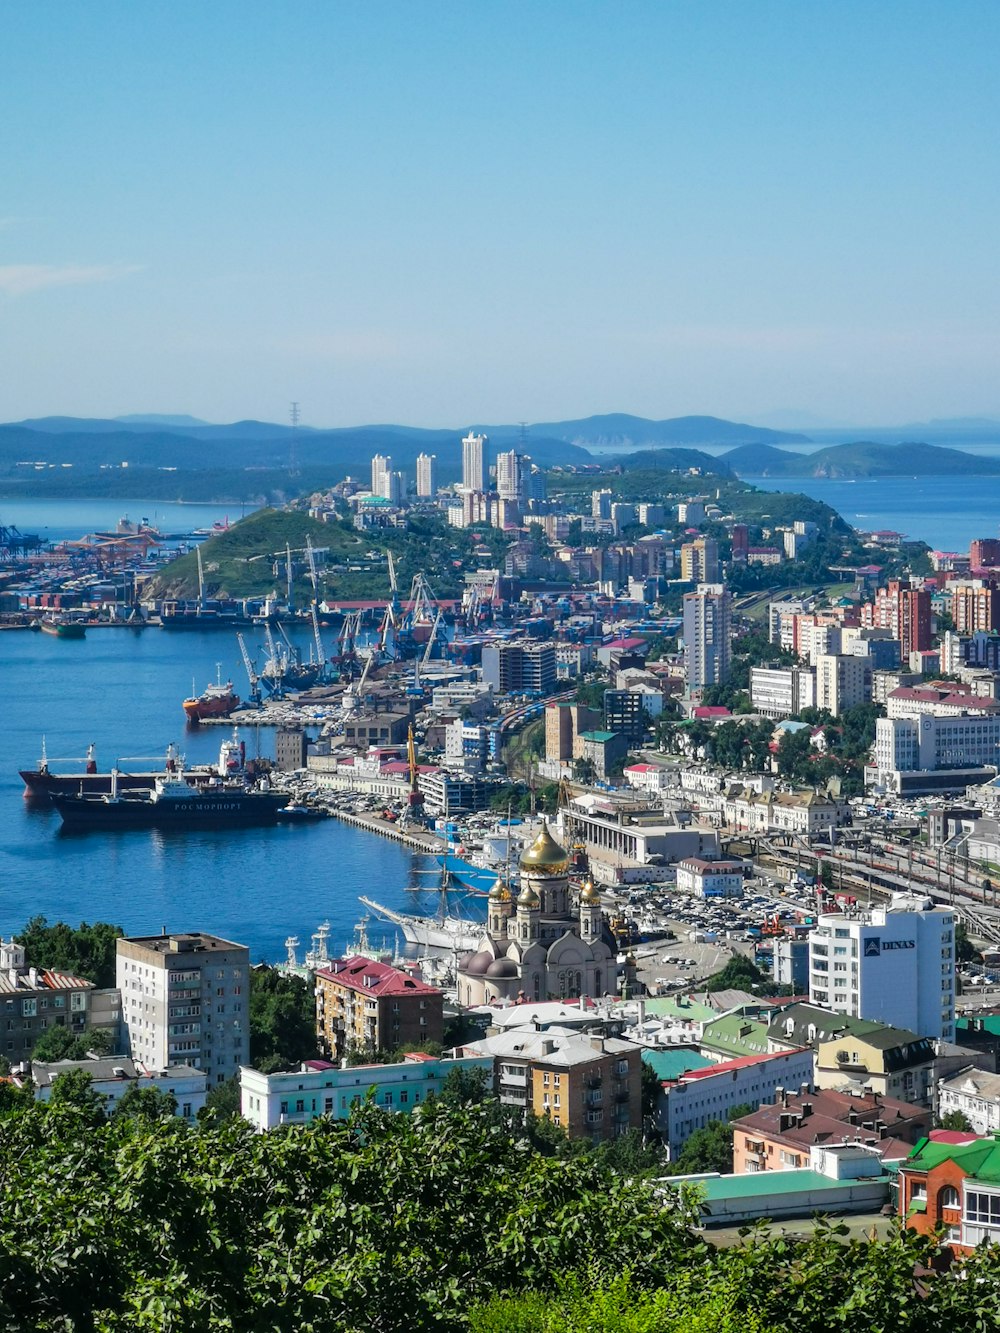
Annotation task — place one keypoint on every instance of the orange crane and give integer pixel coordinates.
(415, 798)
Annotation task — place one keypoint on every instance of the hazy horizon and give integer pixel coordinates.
(393, 213)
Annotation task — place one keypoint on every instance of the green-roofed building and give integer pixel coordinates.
(952, 1180)
(841, 1179)
(672, 1061)
(731, 1035)
(604, 749)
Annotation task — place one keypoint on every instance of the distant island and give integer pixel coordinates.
(861, 459)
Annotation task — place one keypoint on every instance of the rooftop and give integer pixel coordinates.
(728, 1067)
(372, 978)
(191, 941)
(672, 1061)
(980, 1158)
(109, 1069)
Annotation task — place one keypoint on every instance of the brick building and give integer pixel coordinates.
(780, 1135)
(367, 1005)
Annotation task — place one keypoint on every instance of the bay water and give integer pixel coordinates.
(122, 690)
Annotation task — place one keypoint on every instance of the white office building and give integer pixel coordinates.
(893, 965)
(707, 633)
(710, 879)
(779, 692)
(381, 470)
(926, 753)
(474, 462)
(185, 1000)
(426, 476)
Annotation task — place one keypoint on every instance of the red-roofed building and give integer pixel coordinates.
(646, 777)
(364, 1005)
(711, 713)
(701, 1096)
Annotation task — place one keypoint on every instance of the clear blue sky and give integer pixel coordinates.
(437, 213)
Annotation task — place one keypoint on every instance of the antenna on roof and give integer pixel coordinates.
(293, 440)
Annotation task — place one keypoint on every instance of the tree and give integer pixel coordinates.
(464, 1087)
(58, 1043)
(957, 1120)
(222, 1103)
(282, 1019)
(148, 1104)
(965, 950)
(84, 951)
(739, 973)
(711, 1148)
(74, 1089)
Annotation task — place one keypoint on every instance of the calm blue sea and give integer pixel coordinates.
(68, 520)
(946, 512)
(122, 689)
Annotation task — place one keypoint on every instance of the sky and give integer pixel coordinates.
(437, 213)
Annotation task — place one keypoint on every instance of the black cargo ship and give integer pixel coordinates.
(172, 804)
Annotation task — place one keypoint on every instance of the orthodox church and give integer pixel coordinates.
(535, 946)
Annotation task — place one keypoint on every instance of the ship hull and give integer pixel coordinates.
(196, 710)
(63, 630)
(429, 932)
(226, 810)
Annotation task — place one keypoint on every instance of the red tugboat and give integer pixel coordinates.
(218, 700)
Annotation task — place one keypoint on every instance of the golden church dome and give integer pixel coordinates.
(545, 856)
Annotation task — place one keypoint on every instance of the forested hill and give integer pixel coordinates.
(861, 459)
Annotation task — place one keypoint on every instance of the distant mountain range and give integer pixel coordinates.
(192, 446)
(864, 458)
(179, 441)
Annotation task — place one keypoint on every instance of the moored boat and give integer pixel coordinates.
(42, 783)
(217, 700)
(173, 803)
(444, 932)
(296, 813)
(61, 628)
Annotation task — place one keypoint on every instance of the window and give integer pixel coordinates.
(29, 1008)
(404, 1097)
(949, 1197)
(982, 1208)
(300, 1106)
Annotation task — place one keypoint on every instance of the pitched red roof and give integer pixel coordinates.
(371, 978)
(741, 1062)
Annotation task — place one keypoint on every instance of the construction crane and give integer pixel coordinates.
(318, 638)
(433, 636)
(415, 798)
(313, 576)
(251, 670)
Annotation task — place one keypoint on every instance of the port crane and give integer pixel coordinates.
(251, 670)
(421, 662)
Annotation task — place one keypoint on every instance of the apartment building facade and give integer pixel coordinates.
(186, 1000)
(366, 1005)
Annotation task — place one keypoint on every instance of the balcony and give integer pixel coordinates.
(594, 1098)
(595, 1117)
(593, 1081)
(513, 1080)
(622, 1096)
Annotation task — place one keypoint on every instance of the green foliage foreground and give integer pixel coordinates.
(442, 1219)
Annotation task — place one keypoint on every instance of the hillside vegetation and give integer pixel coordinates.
(241, 562)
